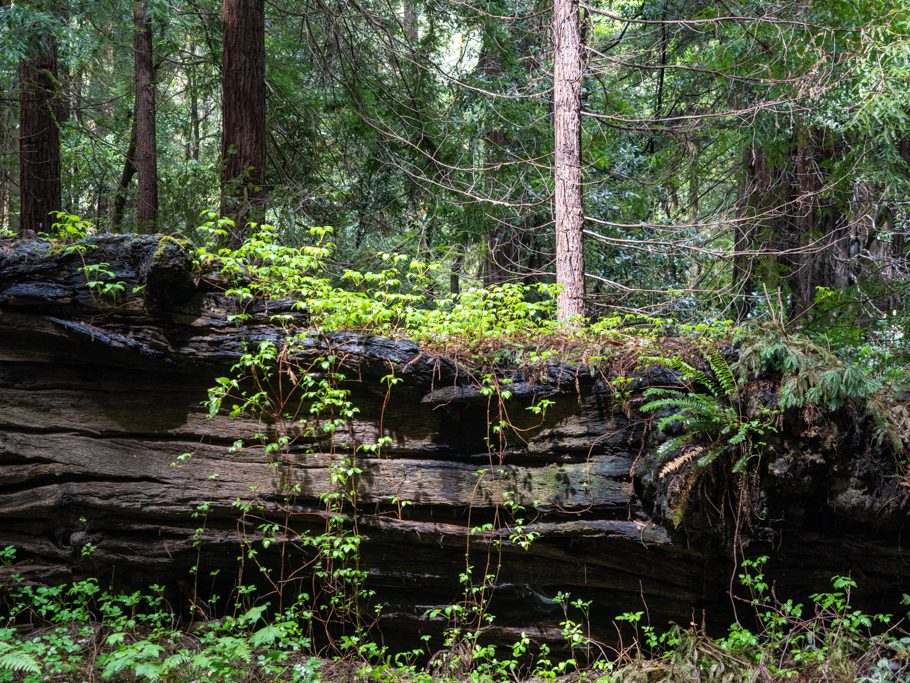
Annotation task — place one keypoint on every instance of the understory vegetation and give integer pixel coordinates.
(82, 632)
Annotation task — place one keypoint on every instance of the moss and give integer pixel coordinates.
(165, 247)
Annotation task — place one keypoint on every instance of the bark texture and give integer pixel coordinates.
(98, 398)
(146, 155)
(569, 211)
(9, 149)
(243, 109)
(39, 136)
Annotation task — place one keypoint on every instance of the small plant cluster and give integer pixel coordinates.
(81, 631)
(826, 640)
(717, 427)
(70, 231)
(710, 410)
(398, 298)
(812, 371)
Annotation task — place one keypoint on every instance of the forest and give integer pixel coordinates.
(454, 340)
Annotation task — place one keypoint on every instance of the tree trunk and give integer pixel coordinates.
(502, 260)
(411, 21)
(129, 170)
(569, 213)
(39, 136)
(243, 110)
(194, 131)
(7, 154)
(146, 157)
(8, 148)
(800, 236)
(455, 272)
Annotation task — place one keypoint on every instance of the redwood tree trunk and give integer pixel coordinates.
(243, 110)
(146, 157)
(569, 214)
(39, 136)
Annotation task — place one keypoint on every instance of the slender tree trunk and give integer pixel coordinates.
(569, 213)
(39, 136)
(146, 157)
(243, 110)
(455, 272)
(503, 258)
(7, 161)
(194, 132)
(410, 21)
(8, 149)
(123, 188)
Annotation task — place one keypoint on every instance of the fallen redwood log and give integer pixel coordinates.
(99, 398)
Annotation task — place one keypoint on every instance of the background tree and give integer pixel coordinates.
(243, 150)
(569, 211)
(145, 152)
(39, 132)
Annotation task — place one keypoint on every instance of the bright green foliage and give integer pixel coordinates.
(13, 658)
(396, 299)
(712, 413)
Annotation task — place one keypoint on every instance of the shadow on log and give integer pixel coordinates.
(100, 397)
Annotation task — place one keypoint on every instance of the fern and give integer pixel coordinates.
(713, 419)
(708, 458)
(690, 374)
(14, 660)
(723, 373)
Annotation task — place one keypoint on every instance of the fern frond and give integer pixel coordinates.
(723, 373)
(673, 444)
(680, 461)
(15, 661)
(740, 466)
(684, 496)
(708, 458)
(680, 401)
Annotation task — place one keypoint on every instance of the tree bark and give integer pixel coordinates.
(569, 213)
(39, 136)
(7, 164)
(146, 157)
(194, 130)
(243, 110)
(411, 22)
(8, 149)
(129, 170)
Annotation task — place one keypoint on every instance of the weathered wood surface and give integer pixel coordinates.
(99, 398)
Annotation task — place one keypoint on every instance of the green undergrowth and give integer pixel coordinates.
(82, 632)
(403, 297)
(504, 328)
(516, 322)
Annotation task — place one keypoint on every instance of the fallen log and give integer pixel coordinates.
(100, 398)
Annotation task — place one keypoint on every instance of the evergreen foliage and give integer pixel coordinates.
(740, 160)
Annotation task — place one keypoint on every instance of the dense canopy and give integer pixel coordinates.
(735, 157)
